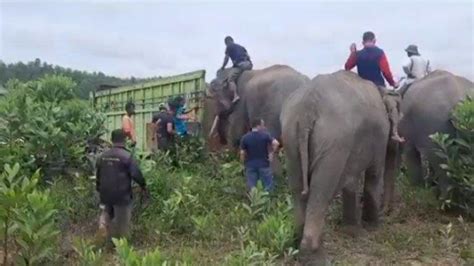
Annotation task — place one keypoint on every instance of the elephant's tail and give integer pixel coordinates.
(303, 136)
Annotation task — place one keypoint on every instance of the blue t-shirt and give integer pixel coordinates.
(180, 124)
(256, 144)
(368, 65)
(237, 53)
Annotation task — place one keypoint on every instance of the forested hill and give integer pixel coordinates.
(86, 81)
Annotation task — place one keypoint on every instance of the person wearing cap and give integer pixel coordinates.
(116, 169)
(415, 67)
(240, 60)
(372, 64)
(164, 128)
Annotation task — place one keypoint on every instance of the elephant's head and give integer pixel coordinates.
(222, 96)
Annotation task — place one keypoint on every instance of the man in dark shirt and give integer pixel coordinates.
(372, 64)
(241, 62)
(256, 151)
(164, 128)
(116, 169)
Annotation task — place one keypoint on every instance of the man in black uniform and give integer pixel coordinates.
(164, 128)
(116, 169)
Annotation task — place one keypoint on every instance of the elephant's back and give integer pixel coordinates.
(348, 92)
(438, 88)
(340, 100)
(276, 74)
(428, 103)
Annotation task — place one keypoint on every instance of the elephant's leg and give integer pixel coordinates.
(351, 208)
(372, 198)
(325, 178)
(299, 210)
(414, 166)
(392, 164)
(350, 203)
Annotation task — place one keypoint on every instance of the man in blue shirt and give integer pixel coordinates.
(181, 116)
(256, 151)
(241, 62)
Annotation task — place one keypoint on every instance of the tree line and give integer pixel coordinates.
(86, 81)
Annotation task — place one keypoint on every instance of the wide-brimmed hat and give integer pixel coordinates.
(412, 49)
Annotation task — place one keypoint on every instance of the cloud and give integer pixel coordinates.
(163, 38)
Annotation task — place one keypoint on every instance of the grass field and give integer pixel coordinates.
(199, 214)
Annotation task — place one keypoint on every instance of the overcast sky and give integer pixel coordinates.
(152, 38)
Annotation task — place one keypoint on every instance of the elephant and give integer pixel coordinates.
(262, 93)
(335, 130)
(426, 107)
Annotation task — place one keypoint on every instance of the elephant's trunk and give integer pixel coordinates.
(303, 150)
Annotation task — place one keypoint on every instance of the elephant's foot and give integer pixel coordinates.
(371, 226)
(313, 258)
(353, 230)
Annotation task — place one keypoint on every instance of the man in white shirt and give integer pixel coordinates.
(415, 67)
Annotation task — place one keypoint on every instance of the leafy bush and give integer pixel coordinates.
(47, 127)
(88, 254)
(27, 218)
(129, 257)
(276, 232)
(457, 154)
(76, 197)
(250, 255)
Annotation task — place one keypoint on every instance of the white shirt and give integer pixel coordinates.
(415, 67)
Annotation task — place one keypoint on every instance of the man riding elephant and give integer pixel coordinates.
(372, 64)
(241, 62)
(426, 109)
(415, 67)
(262, 93)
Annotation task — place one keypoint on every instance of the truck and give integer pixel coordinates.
(147, 98)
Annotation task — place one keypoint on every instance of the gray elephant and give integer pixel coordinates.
(262, 93)
(335, 129)
(426, 109)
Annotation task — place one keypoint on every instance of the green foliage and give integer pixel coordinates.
(36, 230)
(250, 255)
(76, 197)
(457, 155)
(43, 126)
(88, 254)
(204, 225)
(258, 202)
(129, 257)
(27, 218)
(276, 232)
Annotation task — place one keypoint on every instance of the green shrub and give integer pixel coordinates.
(259, 202)
(77, 198)
(36, 230)
(27, 218)
(46, 125)
(205, 225)
(250, 255)
(275, 233)
(457, 154)
(87, 253)
(129, 257)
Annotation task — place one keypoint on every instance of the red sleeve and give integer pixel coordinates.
(351, 61)
(383, 64)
